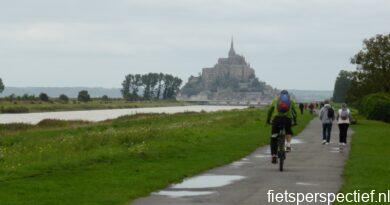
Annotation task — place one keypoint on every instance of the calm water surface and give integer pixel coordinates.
(99, 115)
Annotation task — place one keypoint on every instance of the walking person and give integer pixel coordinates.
(343, 120)
(327, 117)
(301, 106)
(311, 108)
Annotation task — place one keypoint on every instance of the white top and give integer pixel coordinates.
(341, 121)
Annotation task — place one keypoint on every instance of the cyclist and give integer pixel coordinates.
(283, 113)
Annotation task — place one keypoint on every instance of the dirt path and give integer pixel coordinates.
(311, 167)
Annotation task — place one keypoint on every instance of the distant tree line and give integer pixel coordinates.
(83, 96)
(372, 72)
(368, 87)
(343, 83)
(151, 86)
(1, 86)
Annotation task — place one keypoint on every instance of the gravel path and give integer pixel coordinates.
(311, 167)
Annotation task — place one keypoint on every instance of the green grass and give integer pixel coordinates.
(25, 106)
(117, 161)
(368, 166)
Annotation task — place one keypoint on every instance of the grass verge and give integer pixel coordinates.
(116, 161)
(368, 165)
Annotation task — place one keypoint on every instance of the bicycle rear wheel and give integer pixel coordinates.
(281, 152)
(281, 163)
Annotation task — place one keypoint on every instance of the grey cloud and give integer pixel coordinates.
(283, 40)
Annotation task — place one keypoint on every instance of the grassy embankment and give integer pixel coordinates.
(116, 161)
(24, 106)
(368, 165)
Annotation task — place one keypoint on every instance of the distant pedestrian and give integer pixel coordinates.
(301, 106)
(343, 120)
(311, 108)
(327, 117)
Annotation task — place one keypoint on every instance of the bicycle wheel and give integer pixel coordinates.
(281, 163)
(281, 152)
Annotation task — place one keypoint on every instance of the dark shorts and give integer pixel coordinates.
(278, 122)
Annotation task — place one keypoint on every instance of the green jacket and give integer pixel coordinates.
(273, 111)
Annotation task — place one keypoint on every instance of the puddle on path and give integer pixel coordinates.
(306, 184)
(207, 181)
(176, 194)
(262, 156)
(336, 148)
(267, 151)
(296, 141)
(239, 163)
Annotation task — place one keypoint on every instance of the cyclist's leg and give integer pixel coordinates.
(289, 133)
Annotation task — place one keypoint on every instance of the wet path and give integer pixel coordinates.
(99, 115)
(311, 167)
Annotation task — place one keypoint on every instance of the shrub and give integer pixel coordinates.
(376, 106)
(63, 98)
(105, 98)
(60, 123)
(14, 109)
(44, 97)
(14, 127)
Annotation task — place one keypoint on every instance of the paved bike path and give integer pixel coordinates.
(311, 167)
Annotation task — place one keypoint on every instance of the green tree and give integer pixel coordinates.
(342, 85)
(172, 86)
(105, 98)
(130, 87)
(28, 97)
(63, 98)
(44, 97)
(83, 96)
(154, 86)
(150, 81)
(1, 86)
(126, 86)
(373, 68)
(160, 84)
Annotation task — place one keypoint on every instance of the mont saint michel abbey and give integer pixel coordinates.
(233, 66)
(232, 78)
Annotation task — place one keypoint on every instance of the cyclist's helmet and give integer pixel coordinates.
(284, 92)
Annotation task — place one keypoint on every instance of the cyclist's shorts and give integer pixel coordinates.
(280, 120)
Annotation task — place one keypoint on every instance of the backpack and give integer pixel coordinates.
(284, 103)
(344, 114)
(330, 113)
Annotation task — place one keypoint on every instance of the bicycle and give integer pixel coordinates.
(281, 147)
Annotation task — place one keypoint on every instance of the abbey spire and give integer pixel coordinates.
(231, 51)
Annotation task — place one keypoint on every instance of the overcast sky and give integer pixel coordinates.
(299, 44)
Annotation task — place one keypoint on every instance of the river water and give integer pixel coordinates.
(99, 115)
